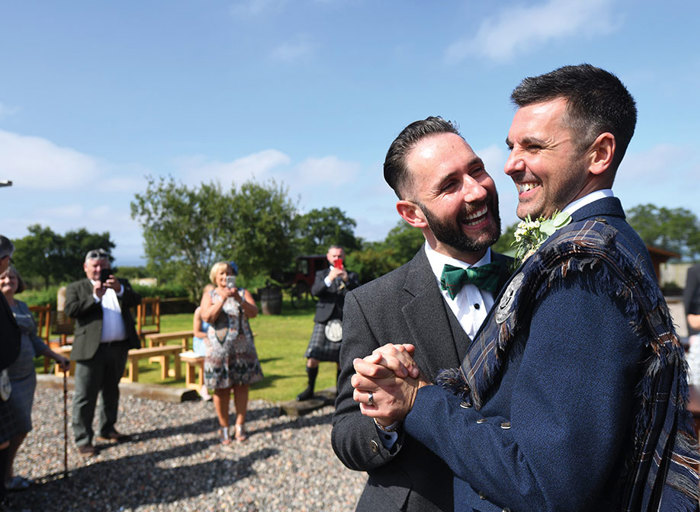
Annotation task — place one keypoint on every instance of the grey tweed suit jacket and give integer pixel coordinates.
(87, 313)
(404, 306)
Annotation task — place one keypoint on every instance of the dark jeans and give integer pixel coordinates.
(99, 374)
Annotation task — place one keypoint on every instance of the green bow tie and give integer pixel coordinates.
(485, 278)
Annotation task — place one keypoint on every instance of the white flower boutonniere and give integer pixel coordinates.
(530, 234)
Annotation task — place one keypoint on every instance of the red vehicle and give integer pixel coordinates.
(301, 282)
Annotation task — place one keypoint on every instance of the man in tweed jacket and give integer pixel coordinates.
(445, 191)
(572, 396)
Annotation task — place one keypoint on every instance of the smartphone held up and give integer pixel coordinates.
(230, 282)
(104, 274)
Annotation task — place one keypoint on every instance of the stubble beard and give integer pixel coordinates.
(450, 232)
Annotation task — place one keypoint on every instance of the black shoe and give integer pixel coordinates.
(307, 394)
(87, 451)
(114, 437)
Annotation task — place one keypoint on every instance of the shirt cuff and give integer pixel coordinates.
(388, 438)
(327, 282)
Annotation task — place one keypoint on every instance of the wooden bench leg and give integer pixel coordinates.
(200, 380)
(189, 374)
(178, 366)
(164, 367)
(133, 370)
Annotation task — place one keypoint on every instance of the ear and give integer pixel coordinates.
(411, 213)
(601, 153)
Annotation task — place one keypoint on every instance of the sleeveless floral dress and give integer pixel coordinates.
(231, 358)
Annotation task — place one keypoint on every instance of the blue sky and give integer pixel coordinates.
(96, 95)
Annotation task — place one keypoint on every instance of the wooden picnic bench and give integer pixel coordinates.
(163, 354)
(159, 339)
(194, 369)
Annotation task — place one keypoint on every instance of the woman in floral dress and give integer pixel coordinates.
(231, 361)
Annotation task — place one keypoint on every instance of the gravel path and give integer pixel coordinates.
(175, 462)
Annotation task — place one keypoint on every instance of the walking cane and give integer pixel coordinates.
(65, 425)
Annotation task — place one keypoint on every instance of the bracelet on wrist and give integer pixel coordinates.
(389, 428)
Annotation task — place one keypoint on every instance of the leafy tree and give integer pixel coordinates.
(676, 229)
(54, 258)
(504, 245)
(261, 237)
(404, 241)
(75, 245)
(320, 228)
(378, 258)
(374, 260)
(186, 230)
(183, 230)
(37, 253)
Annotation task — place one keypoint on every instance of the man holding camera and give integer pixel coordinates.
(330, 287)
(104, 333)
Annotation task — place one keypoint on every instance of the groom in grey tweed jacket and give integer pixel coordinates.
(445, 191)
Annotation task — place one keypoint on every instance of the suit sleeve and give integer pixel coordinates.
(79, 304)
(319, 287)
(691, 290)
(129, 298)
(354, 437)
(570, 410)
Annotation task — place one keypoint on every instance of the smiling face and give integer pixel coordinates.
(8, 283)
(545, 162)
(454, 198)
(221, 274)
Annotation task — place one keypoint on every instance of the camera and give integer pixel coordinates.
(230, 282)
(104, 274)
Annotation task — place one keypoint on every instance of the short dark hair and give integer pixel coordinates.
(395, 171)
(597, 102)
(6, 247)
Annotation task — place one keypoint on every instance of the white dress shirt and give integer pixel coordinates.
(587, 199)
(112, 321)
(471, 305)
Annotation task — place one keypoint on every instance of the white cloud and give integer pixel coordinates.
(251, 8)
(327, 170)
(518, 29)
(66, 211)
(33, 162)
(259, 166)
(293, 51)
(6, 111)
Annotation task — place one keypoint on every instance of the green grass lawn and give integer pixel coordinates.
(280, 340)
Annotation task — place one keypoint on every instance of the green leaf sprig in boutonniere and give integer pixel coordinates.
(530, 234)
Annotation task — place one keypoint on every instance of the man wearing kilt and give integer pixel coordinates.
(330, 287)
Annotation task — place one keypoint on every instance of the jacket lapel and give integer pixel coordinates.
(427, 319)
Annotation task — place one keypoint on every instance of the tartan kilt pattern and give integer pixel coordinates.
(322, 348)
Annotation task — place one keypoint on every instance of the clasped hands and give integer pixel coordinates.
(391, 377)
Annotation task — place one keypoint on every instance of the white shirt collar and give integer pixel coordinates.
(587, 199)
(438, 260)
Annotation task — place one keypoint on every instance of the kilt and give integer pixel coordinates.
(322, 348)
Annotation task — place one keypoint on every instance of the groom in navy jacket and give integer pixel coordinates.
(572, 395)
